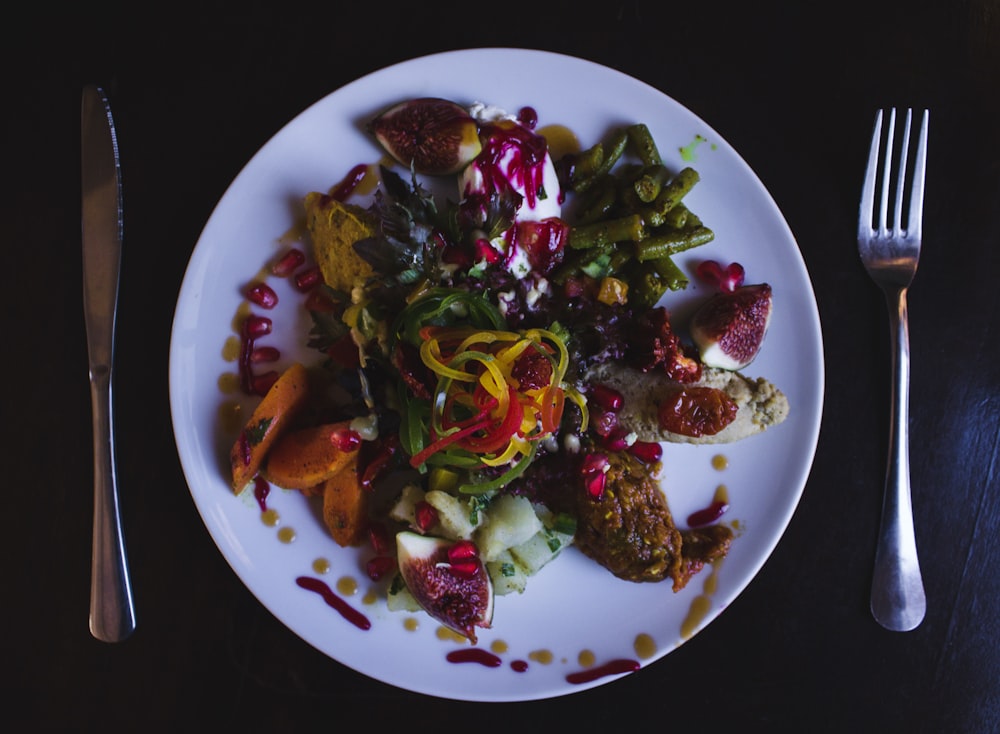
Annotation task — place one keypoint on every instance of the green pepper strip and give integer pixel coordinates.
(515, 471)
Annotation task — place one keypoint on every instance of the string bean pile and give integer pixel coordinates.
(631, 218)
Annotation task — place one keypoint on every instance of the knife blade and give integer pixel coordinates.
(112, 611)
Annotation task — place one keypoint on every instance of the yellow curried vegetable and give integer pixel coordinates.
(334, 227)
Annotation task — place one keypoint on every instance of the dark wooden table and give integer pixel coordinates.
(793, 86)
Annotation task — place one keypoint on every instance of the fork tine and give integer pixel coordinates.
(897, 215)
(871, 174)
(883, 218)
(915, 224)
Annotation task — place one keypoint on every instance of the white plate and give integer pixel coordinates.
(574, 617)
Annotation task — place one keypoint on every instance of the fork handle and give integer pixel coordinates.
(897, 599)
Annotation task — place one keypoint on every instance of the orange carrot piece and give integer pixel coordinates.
(269, 420)
(345, 506)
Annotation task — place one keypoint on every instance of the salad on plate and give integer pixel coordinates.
(495, 372)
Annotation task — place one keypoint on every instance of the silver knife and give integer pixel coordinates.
(112, 612)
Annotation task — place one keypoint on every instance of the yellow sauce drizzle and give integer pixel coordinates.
(347, 586)
(541, 656)
(644, 646)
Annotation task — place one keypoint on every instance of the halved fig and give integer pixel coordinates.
(455, 591)
(729, 328)
(436, 136)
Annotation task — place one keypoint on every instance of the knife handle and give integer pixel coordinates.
(112, 614)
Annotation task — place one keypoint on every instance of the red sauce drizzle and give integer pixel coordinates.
(709, 515)
(345, 188)
(519, 666)
(261, 489)
(524, 168)
(346, 611)
(613, 667)
(474, 655)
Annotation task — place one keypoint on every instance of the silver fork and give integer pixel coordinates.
(890, 256)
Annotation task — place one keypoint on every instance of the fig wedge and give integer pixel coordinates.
(729, 328)
(459, 596)
(437, 137)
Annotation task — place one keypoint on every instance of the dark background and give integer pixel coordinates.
(793, 86)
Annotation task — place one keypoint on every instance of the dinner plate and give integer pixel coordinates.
(576, 626)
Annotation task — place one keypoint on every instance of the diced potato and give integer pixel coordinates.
(405, 509)
(508, 577)
(539, 549)
(510, 520)
(454, 521)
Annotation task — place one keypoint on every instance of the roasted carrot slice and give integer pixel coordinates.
(269, 420)
(306, 457)
(345, 505)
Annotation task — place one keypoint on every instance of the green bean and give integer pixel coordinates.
(614, 148)
(664, 244)
(599, 200)
(645, 146)
(650, 182)
(670, 196)
(587, 162)
(680, 217)
(672, 275)
(622, 229)
(646, 287)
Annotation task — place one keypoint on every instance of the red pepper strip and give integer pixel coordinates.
(498, 438)
(432, 448)
(553, 400)
(483, 413)
(380, 461)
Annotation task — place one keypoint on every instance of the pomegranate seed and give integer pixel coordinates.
(378, 536)
(263, 295)
(709, 515)
(264, 354)
(615, 440)
(646, 451)
(486, 251)
(604, 421)
(308, 279)
(594, 470)
(594, 463)
(595, 485)
(288, 263)
(256, 326)
(379, 566)
(262, 383)
(425, 515)
(726, 279)
(607, 397)
(465, 569)
(462, 550)
(245, 453)
(345, 439)
(346, 187)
